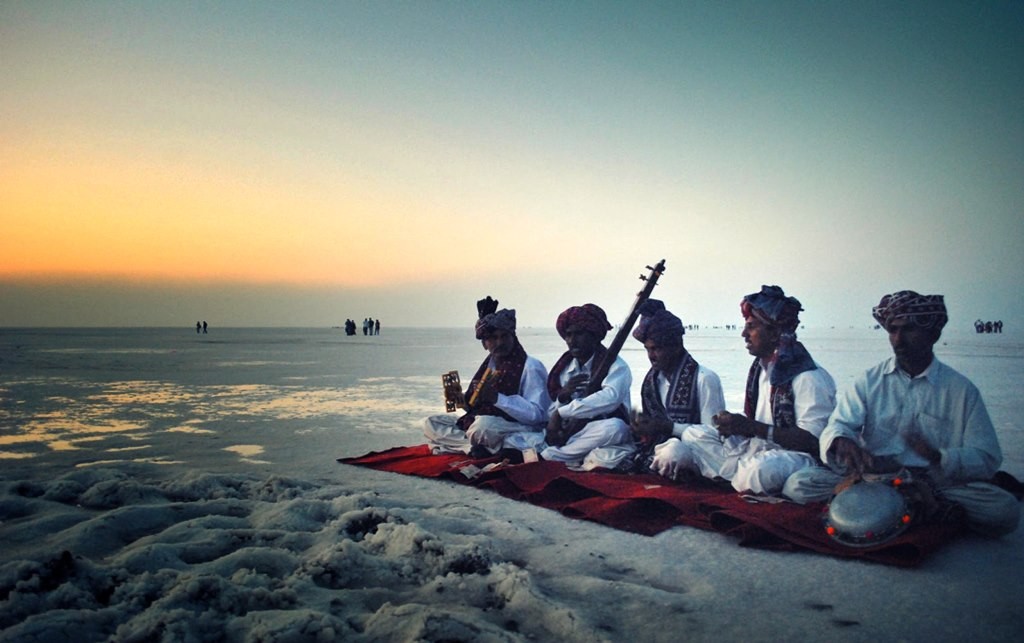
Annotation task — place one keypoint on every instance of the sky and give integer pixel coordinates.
(302, 163)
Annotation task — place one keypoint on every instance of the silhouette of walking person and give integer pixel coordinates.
(204, 327)
(198, 327)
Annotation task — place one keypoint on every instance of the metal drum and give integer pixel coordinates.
(868, 514)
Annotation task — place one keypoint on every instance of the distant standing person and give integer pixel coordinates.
(204, 327)
(376, 327)
(199, 327)
(912, 411)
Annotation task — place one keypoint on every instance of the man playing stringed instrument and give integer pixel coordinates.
(507, 396)
(581, 423)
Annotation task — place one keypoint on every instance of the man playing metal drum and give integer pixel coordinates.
(912, 411)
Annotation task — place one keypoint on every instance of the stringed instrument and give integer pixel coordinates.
(558, 435)
(454, 398)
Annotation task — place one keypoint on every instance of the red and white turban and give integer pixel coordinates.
(589, 317)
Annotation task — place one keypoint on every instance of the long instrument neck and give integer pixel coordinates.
(601, 370)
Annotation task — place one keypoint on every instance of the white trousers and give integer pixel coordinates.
(990, 510)
(594, 435)
(490, 431)
(750, 464)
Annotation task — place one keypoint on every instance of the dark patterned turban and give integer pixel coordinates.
(589, 317)
(926, 311)
(658, 324)
(771, 306)
(504, 319)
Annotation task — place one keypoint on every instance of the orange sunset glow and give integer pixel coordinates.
(409, 159)
(108, 217)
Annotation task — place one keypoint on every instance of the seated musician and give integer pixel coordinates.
(581, 423)
(913, 414)
(676, 393)
(788, 400)
(507, 396)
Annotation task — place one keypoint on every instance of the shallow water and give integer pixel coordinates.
(265, 396)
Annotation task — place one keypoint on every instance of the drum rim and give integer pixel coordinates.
(893, 527)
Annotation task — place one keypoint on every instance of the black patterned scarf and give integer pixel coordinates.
(683, 407)
(797, 361)
(510, 375)
(683, 403)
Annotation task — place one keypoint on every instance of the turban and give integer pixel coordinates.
(771, 306)
(504, 319)
(658, 324)
(589, 317)
(926, 311)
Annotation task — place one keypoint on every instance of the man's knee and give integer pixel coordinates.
(813, 484)
(998, 515)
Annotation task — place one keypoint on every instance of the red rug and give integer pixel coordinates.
(648, 504)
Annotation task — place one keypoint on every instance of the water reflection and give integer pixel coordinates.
(247, 452)
(84, 416)
(99, 463)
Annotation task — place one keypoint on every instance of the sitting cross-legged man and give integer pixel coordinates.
(912, 413)
(506, 399)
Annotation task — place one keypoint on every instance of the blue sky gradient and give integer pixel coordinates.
(301, 163)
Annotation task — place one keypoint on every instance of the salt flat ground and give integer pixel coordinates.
(191, 481)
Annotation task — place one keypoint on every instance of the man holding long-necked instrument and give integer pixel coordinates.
(581, 423)
(507, 397)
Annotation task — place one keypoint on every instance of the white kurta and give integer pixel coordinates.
(667, 455)
(940, 404)
(709, 397)
(529, 410)
(755, 464)
(614, 393)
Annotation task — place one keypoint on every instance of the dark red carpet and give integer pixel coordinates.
(649, 504)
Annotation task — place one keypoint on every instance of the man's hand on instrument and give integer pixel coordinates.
(649, 429)
(849, 456)
(486, 393)
(575, 384)
(554, 435)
